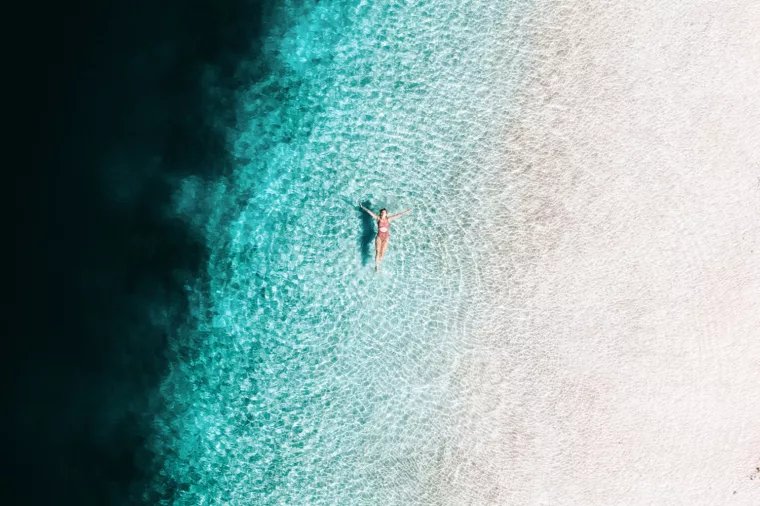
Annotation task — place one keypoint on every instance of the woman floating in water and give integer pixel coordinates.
(383, 232)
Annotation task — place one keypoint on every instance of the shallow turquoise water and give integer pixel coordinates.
(310, 379)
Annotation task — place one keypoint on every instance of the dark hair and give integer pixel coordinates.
(383, 209)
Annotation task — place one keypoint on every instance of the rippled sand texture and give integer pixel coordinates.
(620, 359)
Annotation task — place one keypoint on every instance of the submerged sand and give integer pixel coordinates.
(621, 362)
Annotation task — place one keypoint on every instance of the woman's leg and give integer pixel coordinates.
(384, 249)
(378, 250)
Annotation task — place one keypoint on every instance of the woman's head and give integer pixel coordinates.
(383, 212)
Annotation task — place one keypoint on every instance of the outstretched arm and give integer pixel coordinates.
(370, 212)
(399, 215)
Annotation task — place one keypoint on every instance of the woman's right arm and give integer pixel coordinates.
(370, 212)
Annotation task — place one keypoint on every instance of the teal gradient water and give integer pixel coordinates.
(310, 379)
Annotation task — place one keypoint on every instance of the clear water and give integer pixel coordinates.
(314, 380)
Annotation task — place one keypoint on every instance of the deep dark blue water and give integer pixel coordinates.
(113, 106)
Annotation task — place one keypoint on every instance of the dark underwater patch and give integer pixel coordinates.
(116, 110)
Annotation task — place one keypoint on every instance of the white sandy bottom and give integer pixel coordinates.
(621, 360)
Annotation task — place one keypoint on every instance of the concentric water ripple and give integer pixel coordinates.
(319, 381)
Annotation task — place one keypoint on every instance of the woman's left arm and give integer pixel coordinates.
(399, 215)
